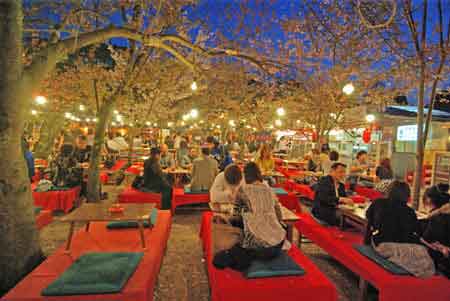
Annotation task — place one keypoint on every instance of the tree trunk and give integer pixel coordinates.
(93, 185)
(19, 241)
(420, 149)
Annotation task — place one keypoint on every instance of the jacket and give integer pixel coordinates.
(204, 171)
(326, 199)
(154, 178)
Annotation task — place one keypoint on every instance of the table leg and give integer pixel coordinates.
(290, 232)
(141, 231)
(362, 293)
(87, 226)
(69, 239)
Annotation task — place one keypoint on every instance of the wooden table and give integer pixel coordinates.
(356, 216)
(289, 218)
(177, 174)
(100, 213)
(274, 174)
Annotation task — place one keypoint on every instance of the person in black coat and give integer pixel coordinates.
(391, 219)
(155, 180)
(329, 192)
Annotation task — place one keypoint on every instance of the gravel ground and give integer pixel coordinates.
(183, 275)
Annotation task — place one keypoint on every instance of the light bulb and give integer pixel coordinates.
(33, 112)
(348, 89)
(370, 118)
(82, 107)
(194, 86)
(194, 113)
(281, 112)
(40, 100)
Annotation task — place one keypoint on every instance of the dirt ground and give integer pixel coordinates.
(183, 275)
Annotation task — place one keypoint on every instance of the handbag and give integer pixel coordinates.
(224, 237)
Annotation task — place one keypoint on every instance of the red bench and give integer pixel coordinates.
(131, 195)
(229, 285)
(99, 239)
(180, 198)
(54, 200)
(369, 193)
(339, 245)
(44, 218)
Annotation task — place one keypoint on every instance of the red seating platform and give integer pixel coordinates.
(99, 239)
(131, 195)
(179, 198)
(229, 285)
(56, 200)
(339, 245)
(369, 193)
(44, 218)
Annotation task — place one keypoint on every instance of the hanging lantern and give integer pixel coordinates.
(314, 136)
(366, 135)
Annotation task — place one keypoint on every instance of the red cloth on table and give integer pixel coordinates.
(289, 172)
(339, 245)
(369, 193)
(44, 218)
(302, 189)
(290, 201)
(56, 200)
(358, 199)
(179, 198)
(99, 239)
(119, 164)
(229, 285)
(131, 195)
(134, 169)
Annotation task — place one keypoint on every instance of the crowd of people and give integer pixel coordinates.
(241, 196)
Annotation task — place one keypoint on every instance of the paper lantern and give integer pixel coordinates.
(366, 135)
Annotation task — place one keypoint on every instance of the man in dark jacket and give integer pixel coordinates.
(155, 180)
(329, 192)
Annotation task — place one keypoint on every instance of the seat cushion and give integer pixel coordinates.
(95, 273)
(372, 254)
(187, 190)
(279, 191)
(133, 224)
(282, 265)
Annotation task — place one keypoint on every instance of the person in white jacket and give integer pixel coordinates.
(224, 191)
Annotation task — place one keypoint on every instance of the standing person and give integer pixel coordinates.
(313, 160)
(28, 155)
(169, 141)
(384, 170)
(137, 141)
(330, 191)
(204, 171)
(166, 159)
(252, 145)
(359, 168)
(177, 141)
(260, 217)
(155, 180)
(325, 162)
(283, 145)
(183, 159)
(90, 137)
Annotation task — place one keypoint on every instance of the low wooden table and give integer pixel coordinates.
(274, 174)
(177, 174)
(100, 213)
(289, 218)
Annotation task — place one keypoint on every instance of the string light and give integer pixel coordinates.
(281, 112)
(82, 107)
(40, 100)
(278, 122)
(194, 113)
(348, 89)
(116, 112)
(232, 123)
(68, 115)
(370, 118)
(194, 86)
(148, 123)
(170, 124)
(33, 112)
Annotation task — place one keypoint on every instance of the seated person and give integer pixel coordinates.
(260, 214)
(359, 168)
(438, 198)
(82, 151)
(224, 191)
(329, 192)
(183, 159)
(204, 171)
(155, 180)
(166, 159)
(264, 159)
(392, 229)
(64, 171)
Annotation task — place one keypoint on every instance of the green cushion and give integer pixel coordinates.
(279, 191)
(372, 254)
(282, 265)
(187, 190)
(95, 273)
(133, 224)
(37, 210)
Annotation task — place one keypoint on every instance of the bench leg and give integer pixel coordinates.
(141, 231)
(69, 239)
(362, 294)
